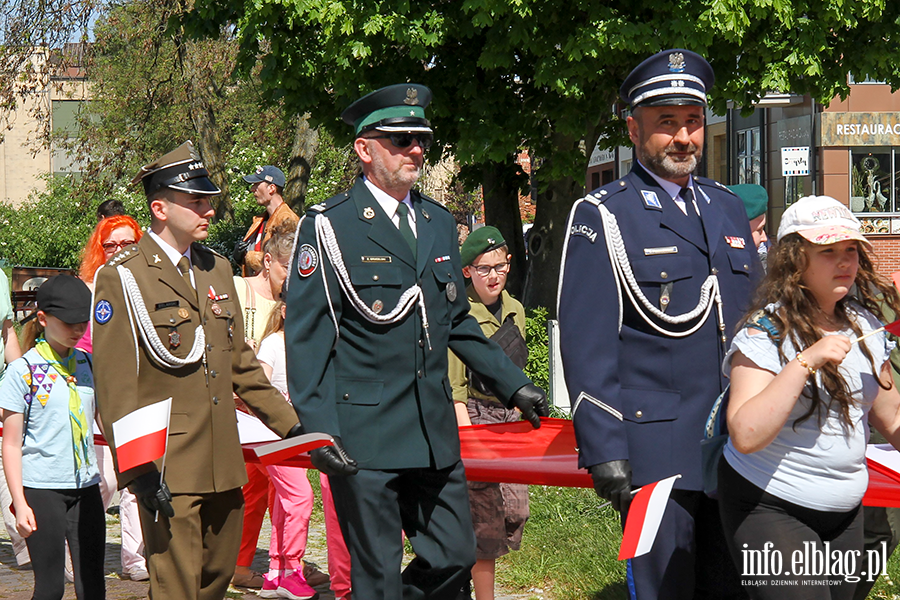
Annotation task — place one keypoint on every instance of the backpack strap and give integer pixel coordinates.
(761, 320)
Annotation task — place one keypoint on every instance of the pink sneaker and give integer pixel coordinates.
(294, 587)
(269, 587)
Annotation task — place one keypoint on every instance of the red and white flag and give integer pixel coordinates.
(141, 436)
(644, 516)
(274, 453)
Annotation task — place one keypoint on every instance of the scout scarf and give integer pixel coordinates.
(81, 428)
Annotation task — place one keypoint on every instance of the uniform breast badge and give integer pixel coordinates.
(174, 338)
(183, 313)
(216, 309)
(369, 212)
(451, 291)
(377, 306)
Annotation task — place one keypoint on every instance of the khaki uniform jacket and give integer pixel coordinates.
(456, 369)
(204, 453)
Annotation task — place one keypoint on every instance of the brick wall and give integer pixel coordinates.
(887, 254)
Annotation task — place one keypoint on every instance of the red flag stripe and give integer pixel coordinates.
(141, 450)
(637, 512)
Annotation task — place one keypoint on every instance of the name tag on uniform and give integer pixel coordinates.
(163, 305)
(661, 250)
(734, 241)
(376, 259)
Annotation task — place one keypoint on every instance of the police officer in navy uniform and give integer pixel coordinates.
(375, 298)
(658, 267)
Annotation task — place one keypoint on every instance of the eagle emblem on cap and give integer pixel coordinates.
(194, 154)
(412, 96)
(676, 62)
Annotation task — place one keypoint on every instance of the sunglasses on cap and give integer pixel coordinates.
(404, 140)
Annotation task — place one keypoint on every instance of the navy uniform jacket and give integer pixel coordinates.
(379, 386)
(641, 395)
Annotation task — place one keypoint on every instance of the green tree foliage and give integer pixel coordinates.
(542, 74)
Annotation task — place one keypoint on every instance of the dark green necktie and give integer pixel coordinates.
(405, 230)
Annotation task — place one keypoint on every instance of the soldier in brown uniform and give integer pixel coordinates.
(166, 324)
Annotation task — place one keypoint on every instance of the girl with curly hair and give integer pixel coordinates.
(804, 387)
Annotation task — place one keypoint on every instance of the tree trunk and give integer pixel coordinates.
(501, 210)
(303, 158)
(204, 120)
(545, 242)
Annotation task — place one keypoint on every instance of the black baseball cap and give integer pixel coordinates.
(65, 297)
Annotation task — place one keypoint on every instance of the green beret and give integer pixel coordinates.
(755, 197)
(396, 108)
(484, 239)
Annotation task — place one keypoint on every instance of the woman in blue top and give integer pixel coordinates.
(47, 402)
(804, 384)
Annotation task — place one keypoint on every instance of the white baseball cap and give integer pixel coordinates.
(820, 220)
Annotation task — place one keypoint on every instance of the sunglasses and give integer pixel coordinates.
(404, 140)
(116, 246)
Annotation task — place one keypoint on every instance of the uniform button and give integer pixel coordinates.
(419, 374)
(622, 183)
(374, 277)
(346, 396)
(204, 320)
(639, 414)
(421, 343)
(209, 347)
(215, 399)
(213, 373)
(171, 319)
(715, 271)
(746, 266)
(664, 275)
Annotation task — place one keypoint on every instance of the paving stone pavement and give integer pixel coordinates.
(17, 583)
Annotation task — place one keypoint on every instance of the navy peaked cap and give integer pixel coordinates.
(671, 77)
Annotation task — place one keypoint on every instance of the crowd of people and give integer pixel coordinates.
(367, 321)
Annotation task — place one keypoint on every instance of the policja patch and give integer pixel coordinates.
(307, 260)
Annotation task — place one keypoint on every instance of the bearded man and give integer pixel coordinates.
(658, 268)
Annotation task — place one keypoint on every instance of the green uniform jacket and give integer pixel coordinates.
(489, 324)
(379, 386)
(204, 453)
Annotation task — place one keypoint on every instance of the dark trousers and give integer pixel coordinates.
(431, 507)
(76, 516)
(192, 555)
(689, 558)
(881, 532)
(753, 519)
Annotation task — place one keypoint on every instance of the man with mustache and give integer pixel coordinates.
(658, 268)
(376, 296)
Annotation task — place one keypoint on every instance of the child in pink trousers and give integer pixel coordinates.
(293, 502)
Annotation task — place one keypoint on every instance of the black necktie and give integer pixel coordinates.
(405, 230)
(688, 196)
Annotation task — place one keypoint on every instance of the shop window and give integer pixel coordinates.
(873, 185)
(748, 156)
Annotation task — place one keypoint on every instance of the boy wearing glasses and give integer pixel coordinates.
(499, 510)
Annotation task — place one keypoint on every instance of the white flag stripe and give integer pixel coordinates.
(656, 508)
(146, 420)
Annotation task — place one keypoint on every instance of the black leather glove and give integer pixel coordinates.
(333, 460)
(295, 431)
(153, 494)
(532, 401)
(612, 481)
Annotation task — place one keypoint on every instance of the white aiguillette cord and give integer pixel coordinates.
(618, 257)
(407, 302)
(155, 347)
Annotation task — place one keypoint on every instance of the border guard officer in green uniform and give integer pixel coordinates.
(375, 298)
(167, 324)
